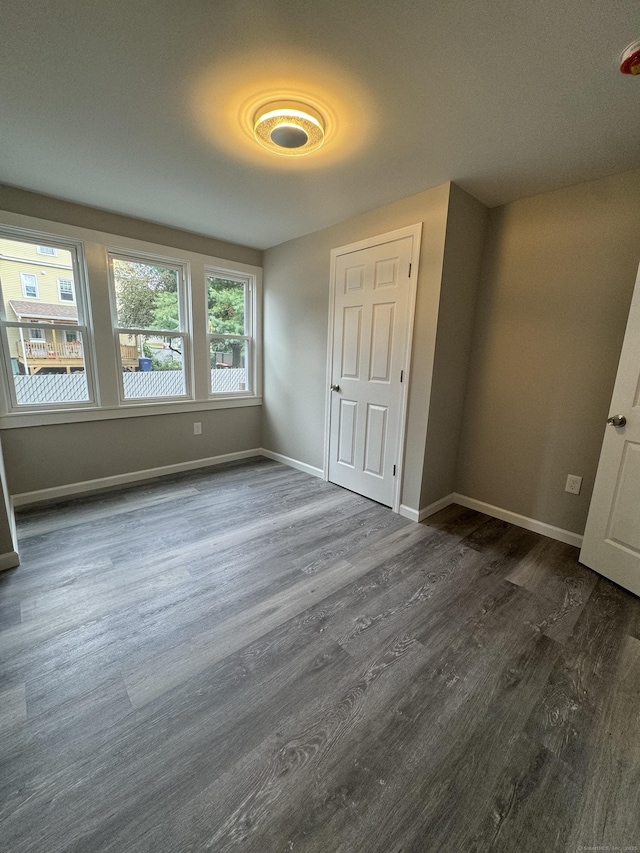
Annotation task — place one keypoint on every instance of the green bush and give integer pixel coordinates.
(169, 364)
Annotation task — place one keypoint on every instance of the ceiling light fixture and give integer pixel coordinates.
(289, 127)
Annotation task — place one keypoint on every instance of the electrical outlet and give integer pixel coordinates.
(574, 484)
(197, 429)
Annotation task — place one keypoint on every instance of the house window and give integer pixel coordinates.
(47, 250)
(231, 312)
(151, 332)
(185, 329)
(65, 290)
(29, 285)
(43, 341)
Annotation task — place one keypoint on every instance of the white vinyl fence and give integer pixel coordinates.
(72, 388)
(154, 383)
(51, 388)
(227, 380)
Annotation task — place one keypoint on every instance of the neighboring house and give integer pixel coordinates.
(38, 288)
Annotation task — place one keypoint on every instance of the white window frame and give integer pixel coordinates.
(101, 356)
(23, 278)
(184, 313)
(43, 250)
(42, 336)
(83, 327)
(251, 325)
(72, 291)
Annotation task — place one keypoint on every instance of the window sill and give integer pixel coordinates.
(68, 416)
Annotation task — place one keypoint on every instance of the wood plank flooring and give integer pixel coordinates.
(247, 658)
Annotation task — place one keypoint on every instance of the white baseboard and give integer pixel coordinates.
(520, 520)
(293, 463)
(130, 477)
(496, 512)
(409, 512)
(426, 511)
(9, 560)
(436, 506)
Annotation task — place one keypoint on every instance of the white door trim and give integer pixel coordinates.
(415, 232)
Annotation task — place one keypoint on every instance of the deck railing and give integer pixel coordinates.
(48, 351)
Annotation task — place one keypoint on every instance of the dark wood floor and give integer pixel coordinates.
(248, 658)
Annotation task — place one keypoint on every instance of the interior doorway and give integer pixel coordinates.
(373, 291)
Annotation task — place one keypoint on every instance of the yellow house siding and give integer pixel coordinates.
(46, 269)
(17, 258)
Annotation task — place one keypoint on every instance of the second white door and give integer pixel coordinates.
(611, 543)
(373, 309)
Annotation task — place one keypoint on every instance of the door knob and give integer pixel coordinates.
(335, 387)
(617, 420)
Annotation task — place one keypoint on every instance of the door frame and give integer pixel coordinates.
(415, 232)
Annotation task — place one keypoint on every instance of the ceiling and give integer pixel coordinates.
(143, 106)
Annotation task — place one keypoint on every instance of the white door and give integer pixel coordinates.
(611, 542)
(373, 310)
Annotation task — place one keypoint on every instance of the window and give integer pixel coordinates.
(150, 327)
(230, 326)
(29, 285)
(43, 341)
(65, 290)
(176, 331)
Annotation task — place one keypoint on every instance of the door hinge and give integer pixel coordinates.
(394, 470)
(402, 376)
(409, 270)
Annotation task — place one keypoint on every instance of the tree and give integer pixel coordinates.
(226, 304)
(165, 311)
(138, 286)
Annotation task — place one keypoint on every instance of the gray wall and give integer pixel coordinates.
(464, 243)
(558, 275)
(296, 305)
(45, 456)
(46, 207)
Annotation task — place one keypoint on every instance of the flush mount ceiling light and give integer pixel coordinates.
(289, 127)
